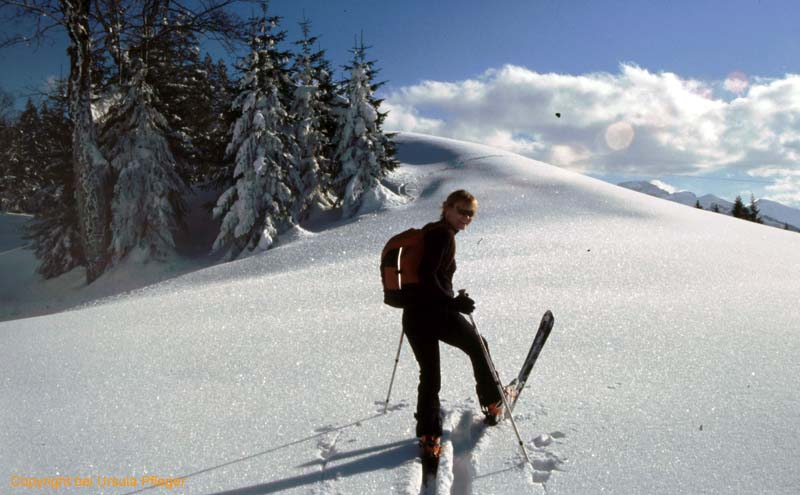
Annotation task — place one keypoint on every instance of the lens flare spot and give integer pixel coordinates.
(736, 82)
(619, 135)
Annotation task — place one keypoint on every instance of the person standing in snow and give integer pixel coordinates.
(436, 316)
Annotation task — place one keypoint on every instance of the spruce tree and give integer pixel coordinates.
(364, 154)
(11, 167)
(180, 82)
(213, 124)
(753, 212)
(698, 205)
(147, 203)
(739, 209)
(25, 162)
(257, 207)
(332, 105)
(54, 231)
(307, 112)
(6, 158)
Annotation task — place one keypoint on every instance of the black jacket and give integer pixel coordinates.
(438, 264)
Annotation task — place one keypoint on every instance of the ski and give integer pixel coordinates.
(430, 449)
(430, 467)
(514, 388)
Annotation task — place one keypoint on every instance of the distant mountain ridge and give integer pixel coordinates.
(772, 213)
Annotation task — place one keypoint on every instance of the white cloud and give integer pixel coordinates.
(786, 188)
(663, 185)
(405, 118)
(632, 122)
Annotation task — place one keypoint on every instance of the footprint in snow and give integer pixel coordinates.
(545, 462)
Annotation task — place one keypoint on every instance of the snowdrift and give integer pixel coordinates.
(671, 369)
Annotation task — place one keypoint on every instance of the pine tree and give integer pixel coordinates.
(147, 206)
(332, 106)
(10, 168)
(739, 209)
(257, 207)
(364, 154)
(25, 162)
(698, 205)
(715, 208)
(213, 125)
(6, 157)
(311, 143)
(54, 231)
(184, 96)
(753, 212)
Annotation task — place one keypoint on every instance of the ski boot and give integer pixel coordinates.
(493, 413)
(430, 450)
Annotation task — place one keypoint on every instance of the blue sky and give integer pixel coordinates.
(647, 89)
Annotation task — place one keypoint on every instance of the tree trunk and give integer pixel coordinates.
(92, 187)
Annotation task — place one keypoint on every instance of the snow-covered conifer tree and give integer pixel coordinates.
(331, 106)
(179, 79)
(23, 162)
(7, 159)
(257, 207)
(214, 124)
(364, 154)
(54, 231)
(147, 205)
(311, 143)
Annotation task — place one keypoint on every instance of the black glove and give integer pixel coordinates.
(463, 304)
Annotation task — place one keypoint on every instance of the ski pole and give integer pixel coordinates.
(391, 382)
(500, 389)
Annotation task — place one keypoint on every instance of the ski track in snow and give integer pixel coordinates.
(464, 439)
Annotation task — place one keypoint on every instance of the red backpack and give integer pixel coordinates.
(400, 261)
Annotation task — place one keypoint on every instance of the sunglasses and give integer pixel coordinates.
(465, 212)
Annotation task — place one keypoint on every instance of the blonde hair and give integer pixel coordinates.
(460, 196)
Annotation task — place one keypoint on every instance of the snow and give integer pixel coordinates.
(671, 367)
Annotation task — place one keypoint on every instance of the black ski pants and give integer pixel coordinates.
(425, 328)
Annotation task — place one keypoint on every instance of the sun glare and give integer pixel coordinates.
(619, 135)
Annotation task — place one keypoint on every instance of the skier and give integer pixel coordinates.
(435, 316)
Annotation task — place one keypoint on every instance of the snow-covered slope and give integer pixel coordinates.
(672, 367)
(24, 293)
(11, 231)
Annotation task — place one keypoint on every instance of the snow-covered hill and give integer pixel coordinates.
(672, 367)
